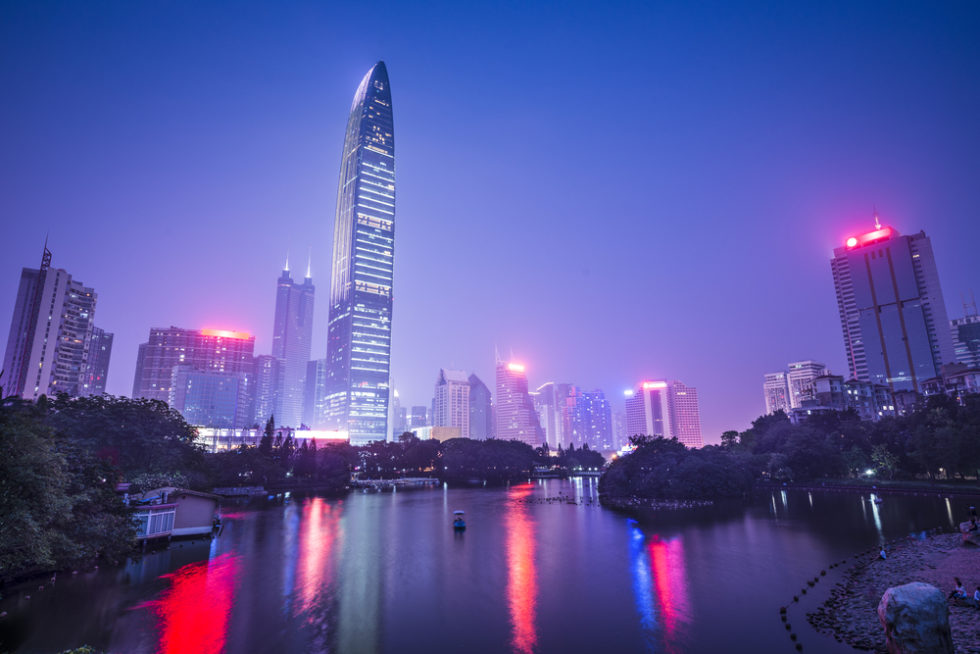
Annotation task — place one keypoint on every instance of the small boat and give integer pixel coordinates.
(458, 523)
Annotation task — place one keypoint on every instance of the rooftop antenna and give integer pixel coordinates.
(309, 263)
(877, 222)
(45, 255)
(286, 269)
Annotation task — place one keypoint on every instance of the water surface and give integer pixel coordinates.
(386, 573)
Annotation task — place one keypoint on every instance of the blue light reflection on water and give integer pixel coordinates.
(642, 585)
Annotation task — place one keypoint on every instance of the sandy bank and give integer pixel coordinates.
(851, 611)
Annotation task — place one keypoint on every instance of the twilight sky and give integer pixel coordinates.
(612, 191)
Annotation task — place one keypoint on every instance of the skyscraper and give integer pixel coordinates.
(481, 410)
(551, 402)
(210, 398)
(647, 411)
(292, 332)
(49, 344)
(776, 391)
(590, 417)
(800, 381)
(892, 312)
(316, 393)
(265, 388)
(966, 336)
(217, 350)
(664, 409)
(517, 418)
(97, 363)
(359, 330)
(685, 414)
(451, 401)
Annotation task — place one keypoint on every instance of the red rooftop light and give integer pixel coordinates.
(225, 333)
(870, 237)
(647, 385)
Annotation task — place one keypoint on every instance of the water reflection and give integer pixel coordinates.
(194, 612)
(314, 568)
(522, 582)
(659, 585)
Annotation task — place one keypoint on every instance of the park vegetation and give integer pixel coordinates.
(64, 457)
(939, 440)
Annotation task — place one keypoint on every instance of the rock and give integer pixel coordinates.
(916, 620)
(970, 537)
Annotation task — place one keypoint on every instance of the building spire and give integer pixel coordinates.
(309, 263)
(877, 222)
(286, 268)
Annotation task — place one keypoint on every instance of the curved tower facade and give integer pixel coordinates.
(359, 332)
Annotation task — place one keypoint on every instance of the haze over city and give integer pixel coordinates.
(611, 193)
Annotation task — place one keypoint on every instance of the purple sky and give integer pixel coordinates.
(611, 191)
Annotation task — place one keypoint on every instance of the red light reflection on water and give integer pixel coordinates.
(194, 611)
(316, 542)
(670, 584)
(522, 582)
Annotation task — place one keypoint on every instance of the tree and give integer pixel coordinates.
(265, 444)
(729, 439)
(884, 461)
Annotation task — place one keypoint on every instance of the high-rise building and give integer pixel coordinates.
(551, 402)
(800, 381)
(481, 410)
(776, 391)
(97, 364)
(215, 350)
(451, 400)
(211, 398)
(49, 344)
(590, 418)
(664, 409)
(419, 417)
(292, 333)
(966, 338)
(647, 411)
(892, 312)
(685, 414)
(359, 330)
(265, 388)
(316, 393)
(516, 417)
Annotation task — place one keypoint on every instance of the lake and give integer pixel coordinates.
(540, 568)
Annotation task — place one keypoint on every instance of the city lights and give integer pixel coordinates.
(515, 367)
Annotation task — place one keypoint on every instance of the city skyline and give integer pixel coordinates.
(785, 214)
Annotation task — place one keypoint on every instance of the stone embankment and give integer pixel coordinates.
(851, 612)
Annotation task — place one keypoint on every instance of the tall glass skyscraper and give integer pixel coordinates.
(359, 331)
(891, 308)
(292, 332)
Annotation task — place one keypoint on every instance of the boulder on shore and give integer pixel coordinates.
(916, 620)
(971, 537)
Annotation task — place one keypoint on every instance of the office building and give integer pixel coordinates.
(685, 414)
(775, 388)
(49, 346)
(481, 410)
(211, 398)
(516, 417)
(590, 420)
(265, 388)
(215, 350)
(359, 327)
(667, 409)
(451, 400)
(292, 333)
(551, 402)
(419, 416)
(965, 333)
(800, 381)
(315, 395)
(893, 317)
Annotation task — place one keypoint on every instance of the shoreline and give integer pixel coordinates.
(850, 614)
